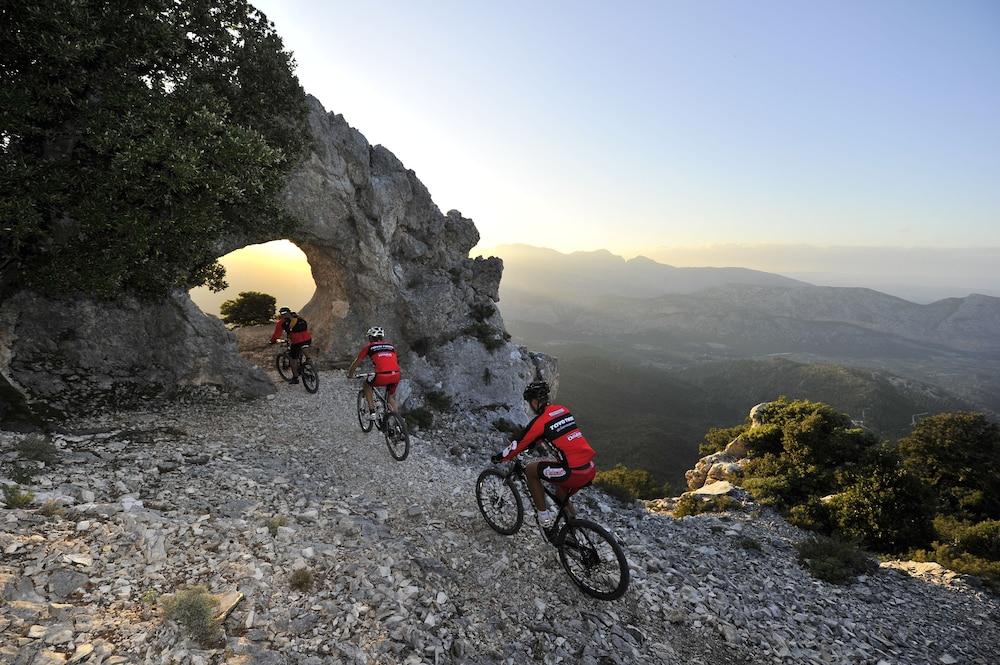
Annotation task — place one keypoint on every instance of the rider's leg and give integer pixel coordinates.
(563, 496)
(368, 396)
(535, 486)
(392, 403)
(295, 367)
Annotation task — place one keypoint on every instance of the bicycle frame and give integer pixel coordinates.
(518, 472)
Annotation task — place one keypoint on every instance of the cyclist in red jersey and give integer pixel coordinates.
(299, 337)
(383, 355)
(573, 467)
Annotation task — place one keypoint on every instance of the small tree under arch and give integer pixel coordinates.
(250, 308)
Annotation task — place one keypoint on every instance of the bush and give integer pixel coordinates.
(38, 449)
(301, 579)
(630, 484)
(717, 438)
(274, 523)
(833, 560)
(194, 610)
(957, 455)
(438, 400)
(13, 497)
(482, 311)
(51, 508)
(887, 509)
(692, 504)
(488, 336)
(250, 308)
(813, 515)
(419, 418)
(982, 540)
(748, 543)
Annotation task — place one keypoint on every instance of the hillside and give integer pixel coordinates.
(652, 415)
(236, 495)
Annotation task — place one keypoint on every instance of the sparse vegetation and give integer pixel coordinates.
(420, 418)
(630, 484)
(194, 610)
(149, 597)
(250, 308)
(482, 311)
(833, 560)
(51, 508)
(748, 543)
(488, 336)
(38, 449)
(692, 504)
(275, 522)
(15, 497)
(301, 579)
(437, 400)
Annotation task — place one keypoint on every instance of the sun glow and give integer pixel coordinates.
(278, 268)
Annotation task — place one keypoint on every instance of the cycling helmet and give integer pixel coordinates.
(284, 310)
(537, 390)
(376, 331)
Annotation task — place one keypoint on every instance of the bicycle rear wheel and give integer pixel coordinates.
(396, 436)
(499, 502)
(310, 377)
(593, 559)
(363, 420)
(284, 365)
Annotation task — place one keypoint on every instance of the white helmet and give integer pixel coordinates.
(376, 331)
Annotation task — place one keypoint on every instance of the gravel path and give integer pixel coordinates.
(235, 496)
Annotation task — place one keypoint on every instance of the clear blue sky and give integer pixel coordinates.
(581, 125)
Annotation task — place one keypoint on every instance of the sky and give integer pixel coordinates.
(578, 125)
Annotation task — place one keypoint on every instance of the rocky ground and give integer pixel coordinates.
(235, 496)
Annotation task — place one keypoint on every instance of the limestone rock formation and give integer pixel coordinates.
(381, 253)
(727, 464)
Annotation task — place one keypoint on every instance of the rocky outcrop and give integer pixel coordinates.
(66, 354)
(381, 253)
(727, 464)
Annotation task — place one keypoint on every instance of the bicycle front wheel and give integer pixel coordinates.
(499, 502)
(284, 365)
(396, 436)
(363, 419)
(593, 559)
(310, 377)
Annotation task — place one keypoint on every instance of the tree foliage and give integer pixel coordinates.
(136, 135)
(250, 308)
(958, 456)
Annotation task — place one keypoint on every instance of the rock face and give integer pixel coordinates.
(381, 253)
(726, 464)
(69, 352)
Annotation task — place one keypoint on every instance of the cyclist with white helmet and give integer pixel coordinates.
(383, 357)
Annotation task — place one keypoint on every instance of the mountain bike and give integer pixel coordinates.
(390, 423)
(307, 371)
(590, 555)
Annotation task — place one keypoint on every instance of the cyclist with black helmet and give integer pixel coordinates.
(386, 364)
(573, 467)
(299, 337)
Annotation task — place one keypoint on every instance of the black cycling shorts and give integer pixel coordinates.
(295, 350)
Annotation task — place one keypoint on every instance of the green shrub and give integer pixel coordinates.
(717, 438)
(14, 497)
(482, 311)
(813, 515)
(630, 484)
(194, 610)
(962, 562)
(887, 509)
(51, 508)
(957, 455)
(38, 449)
(692, 504)
(488, 336)
(250, 308)
(748, 543)
(833, 560)
(419, 418)
(438, 400)
(274, 523)
(982, 540)
(301, 579)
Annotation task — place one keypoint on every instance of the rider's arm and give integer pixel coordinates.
(357, 361)
(277, 331)
(531, 436)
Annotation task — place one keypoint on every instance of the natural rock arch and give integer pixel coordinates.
(380, 251)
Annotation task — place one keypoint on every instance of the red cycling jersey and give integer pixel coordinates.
(556, 425)
(297, 329)
(383, 355)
